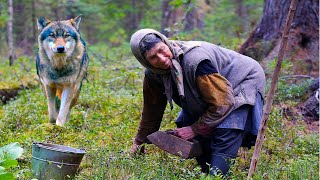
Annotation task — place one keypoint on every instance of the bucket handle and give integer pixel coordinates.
(54, 162)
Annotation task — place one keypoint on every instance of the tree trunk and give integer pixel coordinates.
(242, 12)
(190, 17)
(303, 45)
(10, 34)
(71, 10)
(34, 22)
(203, 8)
(134, 17)
(56, 9)
(169, 17)
(22, 28)
(194, 17)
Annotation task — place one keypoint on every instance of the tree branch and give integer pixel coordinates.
(297, 77)
(275, 77)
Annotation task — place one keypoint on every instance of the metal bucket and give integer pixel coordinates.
(51, 161)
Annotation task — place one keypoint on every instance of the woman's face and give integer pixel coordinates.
(159, 56)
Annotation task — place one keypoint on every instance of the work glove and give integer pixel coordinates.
(137, 149)
(185, 132)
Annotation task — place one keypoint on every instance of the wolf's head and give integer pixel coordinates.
(59, 39)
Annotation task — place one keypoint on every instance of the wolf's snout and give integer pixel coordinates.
(60, 49)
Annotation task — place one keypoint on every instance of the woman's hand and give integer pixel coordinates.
(137, 149)
(185, 133)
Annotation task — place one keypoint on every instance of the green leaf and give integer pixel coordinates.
(7, 176)
(11, 151)
(2, 170)
(9, 163)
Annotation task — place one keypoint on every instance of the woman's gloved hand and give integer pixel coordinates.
(137, 149)
(185, 133)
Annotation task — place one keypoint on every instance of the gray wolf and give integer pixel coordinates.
(62, 63)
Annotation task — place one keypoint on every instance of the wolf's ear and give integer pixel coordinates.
(42, 23)
(76, 22)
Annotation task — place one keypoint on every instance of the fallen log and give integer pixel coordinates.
(9, 94)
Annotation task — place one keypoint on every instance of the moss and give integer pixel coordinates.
(106, 118)
(9, 85)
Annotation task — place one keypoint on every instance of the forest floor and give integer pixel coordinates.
(107, 115)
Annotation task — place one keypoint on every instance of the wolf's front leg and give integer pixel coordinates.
(51, 95)
(51, 100)
(66, 99)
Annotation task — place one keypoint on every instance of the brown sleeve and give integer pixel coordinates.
(217, 92)
(154, 104)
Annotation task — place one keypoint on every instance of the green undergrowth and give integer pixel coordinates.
(106, 118)
(21, 74)
(291, 90)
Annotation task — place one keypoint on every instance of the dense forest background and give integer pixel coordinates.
(104, 121)
(112, 22)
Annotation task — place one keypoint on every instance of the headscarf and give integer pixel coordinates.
(174, 72)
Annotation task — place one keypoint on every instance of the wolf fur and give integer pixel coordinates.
(62, 64)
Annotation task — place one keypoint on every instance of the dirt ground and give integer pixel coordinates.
(291, 113)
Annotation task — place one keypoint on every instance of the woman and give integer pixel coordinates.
(220, 93)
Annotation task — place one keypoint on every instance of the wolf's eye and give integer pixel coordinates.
(51, 35)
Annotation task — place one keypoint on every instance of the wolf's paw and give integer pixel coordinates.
(59, 123)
